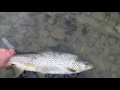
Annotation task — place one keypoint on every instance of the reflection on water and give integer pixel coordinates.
(94, 36)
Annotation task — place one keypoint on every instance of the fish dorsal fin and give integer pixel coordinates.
(40, 75)
(17, 71)
(18, 52)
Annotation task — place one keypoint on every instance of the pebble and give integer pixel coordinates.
(44, 34)
(51, 42)
(58, 34)
(114, 75)
(110, 58)
(108, 30)
(84, 20)
(99, 16)
(112, 41)
(118, 57)
(105, 74)
(118, 73)
(114, 68)
(117, 27)
(114, 17)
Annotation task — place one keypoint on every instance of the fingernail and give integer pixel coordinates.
(12, 51)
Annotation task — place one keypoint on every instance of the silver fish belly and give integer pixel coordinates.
(50, 62)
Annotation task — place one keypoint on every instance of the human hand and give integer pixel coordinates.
(5, 55)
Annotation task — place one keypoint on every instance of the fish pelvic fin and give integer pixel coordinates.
(17, 71)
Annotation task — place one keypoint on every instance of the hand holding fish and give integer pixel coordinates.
(5, 55)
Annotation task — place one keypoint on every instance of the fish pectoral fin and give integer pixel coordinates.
(17, 71)
(40, 75)
(71, 69)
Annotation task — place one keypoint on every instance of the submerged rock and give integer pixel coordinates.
(114, 68)
(105, 74)
(99, 15)
(112, 40)
(114, 75)
(117, 27)
(58, 34)
(118, 57)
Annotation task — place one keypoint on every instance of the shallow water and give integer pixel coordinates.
(94, 36)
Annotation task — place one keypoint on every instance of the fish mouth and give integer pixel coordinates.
(88, 65)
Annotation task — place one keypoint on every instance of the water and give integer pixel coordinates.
(94, 36)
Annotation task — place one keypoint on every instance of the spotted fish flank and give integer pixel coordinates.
(50, 63)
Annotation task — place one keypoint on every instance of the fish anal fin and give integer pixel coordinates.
(40, 75)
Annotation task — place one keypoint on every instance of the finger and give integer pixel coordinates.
(7, 56)
(6, 65)
(9, 53)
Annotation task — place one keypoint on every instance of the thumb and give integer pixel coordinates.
(11, 51)
(8, 65)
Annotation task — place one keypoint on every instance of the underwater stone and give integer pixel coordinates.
(97, 62)
(114, 14)
(58, 34)
(51, 42)
(111, 23)
(111, 41)
(99, 15)
(14, 18)
(114, 49)
(118, 73)
(118, 57)
(110, 58)
(118, 61)
(44, 33)
(94, 75)
(4, 28)
(69, 25)
(52, 20)
(108, 30)
(114, 68)
(92, 39)
(84, 20)
(114, 75)
(117, 27)
(114, 17)
(105, 52)
(105, 74)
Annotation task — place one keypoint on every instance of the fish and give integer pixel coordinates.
(49, 63)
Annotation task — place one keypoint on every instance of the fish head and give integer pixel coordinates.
(80, 67)
(83, 66)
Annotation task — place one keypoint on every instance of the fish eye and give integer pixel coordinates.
(86, 63)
